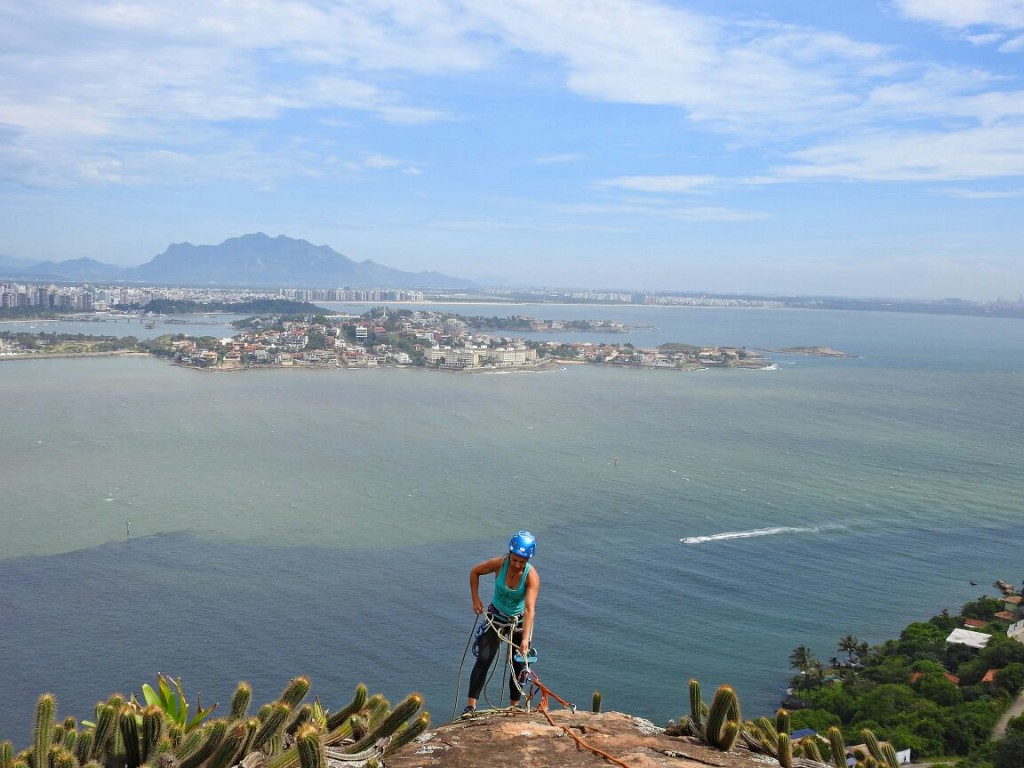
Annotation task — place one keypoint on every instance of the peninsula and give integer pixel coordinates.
(394, 338)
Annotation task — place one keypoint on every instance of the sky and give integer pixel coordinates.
(863, 148)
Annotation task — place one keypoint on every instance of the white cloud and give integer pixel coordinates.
(961, 14)
(976, 153)
(659, 183)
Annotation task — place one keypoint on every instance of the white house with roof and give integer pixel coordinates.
(968, 637)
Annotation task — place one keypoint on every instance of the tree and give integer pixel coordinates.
(801, 658)
(1009, 752)
(849, 645)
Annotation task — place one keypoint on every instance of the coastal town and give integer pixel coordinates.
(395, 338)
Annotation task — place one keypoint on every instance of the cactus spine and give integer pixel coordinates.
(42, 734)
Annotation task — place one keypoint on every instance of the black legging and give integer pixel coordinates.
(486, 649)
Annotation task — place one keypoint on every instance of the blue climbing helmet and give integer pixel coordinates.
(523, 544)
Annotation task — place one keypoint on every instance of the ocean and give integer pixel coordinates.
(266, 524)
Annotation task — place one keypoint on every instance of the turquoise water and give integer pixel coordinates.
(323, 522)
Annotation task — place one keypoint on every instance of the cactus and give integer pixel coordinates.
(782, 721)
(871, 742)
(190, 744)
(810, 750)
(62, 758)
(595, 705)
(271, 725)
(295, 692)
(311, 751)
(303, 716)
(240, 701)
(224, 755)
(151, 732)
(83, 746)
(6, 754)
(838, 746)
(132, 743)
(42, 733)
(387, 726)
(723, 723)
(697, 709)
(105, 724)
(889, 752)
(407, 734)
(213, 735)
(785, 755)
(342, 715)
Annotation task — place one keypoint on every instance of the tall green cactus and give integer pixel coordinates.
(152, 731)
(42, 733)
(696, 703)
(810, 750)
(132, 743)
(295, 691)
(357, 703)
(871, 742)
(889, 752)
(595, 703)
(723, 724)
(240, 701)
(224, 755)
(311, 751)
(6, 754)
(214, 733)
(783, 721)
(303, 716)
(407, 734)
(785, 755)
(271, 725)
(106, 722)
(387, 726)
(838, 747)
(83, 746)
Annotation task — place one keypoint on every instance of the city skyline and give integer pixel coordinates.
(848, 149)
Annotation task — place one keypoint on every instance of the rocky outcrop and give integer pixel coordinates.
(514, 739)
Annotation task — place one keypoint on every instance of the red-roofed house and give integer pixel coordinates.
(952, 678)
(975, 623)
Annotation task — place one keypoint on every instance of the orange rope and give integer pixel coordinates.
(542, 707)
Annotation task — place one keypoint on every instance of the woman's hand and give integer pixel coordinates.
(478, 606)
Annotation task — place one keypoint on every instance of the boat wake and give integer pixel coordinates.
(755, 532)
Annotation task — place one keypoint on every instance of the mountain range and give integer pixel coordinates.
(254, 260)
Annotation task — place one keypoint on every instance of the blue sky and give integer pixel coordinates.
(842, 147)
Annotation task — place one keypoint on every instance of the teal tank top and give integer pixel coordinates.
(511, 602)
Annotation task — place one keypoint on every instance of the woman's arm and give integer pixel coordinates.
(532, 588)
(487, 566)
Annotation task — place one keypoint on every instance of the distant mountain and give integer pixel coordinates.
(255, 260)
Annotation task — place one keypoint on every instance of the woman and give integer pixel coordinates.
(516, 584)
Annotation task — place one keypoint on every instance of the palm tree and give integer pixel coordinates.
(801, 658)
(849, 645)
